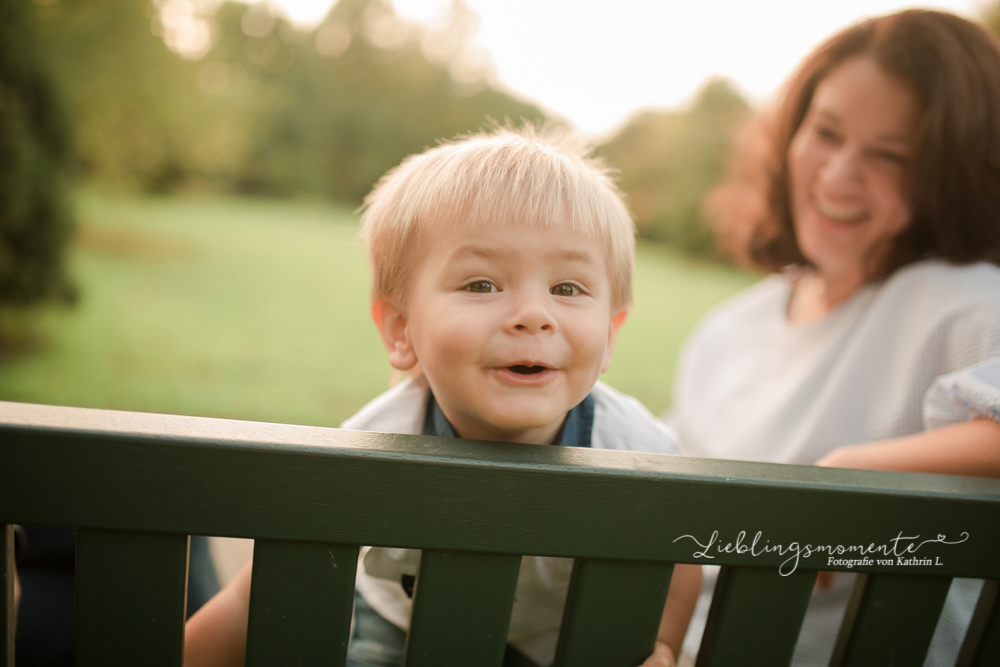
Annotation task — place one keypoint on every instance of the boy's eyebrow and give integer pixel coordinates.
(490, 252)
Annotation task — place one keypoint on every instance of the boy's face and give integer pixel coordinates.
(511, 326)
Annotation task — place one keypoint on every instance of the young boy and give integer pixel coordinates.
(502, 269)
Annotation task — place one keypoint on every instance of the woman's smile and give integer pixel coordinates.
(847, 168)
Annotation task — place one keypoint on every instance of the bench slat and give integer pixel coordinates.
(7, 607)
(612, 612)
(461, 609)
(890, 619)
(301, 597)
(981, 647)
(736, 627)
(130, 598)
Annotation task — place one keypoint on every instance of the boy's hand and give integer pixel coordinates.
(824, 580)
(216, 636)
(662, 657)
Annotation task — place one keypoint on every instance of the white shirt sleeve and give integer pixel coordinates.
(970, 393)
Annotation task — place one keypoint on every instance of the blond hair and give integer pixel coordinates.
(536, 177)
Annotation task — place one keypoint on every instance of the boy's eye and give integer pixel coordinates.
(482, 287)
(565, 289)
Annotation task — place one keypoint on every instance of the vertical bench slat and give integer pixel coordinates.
(130, 598)
(890, 619)
(7, 618)
(612, 612)
(301, 598)
(736, 627)
(461, 609)
(981, 647)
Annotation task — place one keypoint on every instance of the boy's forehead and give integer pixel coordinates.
(462, 219)
(476, 238)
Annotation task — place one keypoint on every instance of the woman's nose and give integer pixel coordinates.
(843, 168)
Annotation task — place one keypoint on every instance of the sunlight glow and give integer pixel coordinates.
(596, 63)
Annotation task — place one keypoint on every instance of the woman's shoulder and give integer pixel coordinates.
(937, 286)
(953, 309)
(937, 277)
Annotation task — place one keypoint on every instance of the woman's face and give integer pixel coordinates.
(847, 164)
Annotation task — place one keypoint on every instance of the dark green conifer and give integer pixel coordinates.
(35, 220)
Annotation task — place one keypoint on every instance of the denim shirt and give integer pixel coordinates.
(575, 432)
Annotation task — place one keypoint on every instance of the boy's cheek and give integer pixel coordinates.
(617, 320)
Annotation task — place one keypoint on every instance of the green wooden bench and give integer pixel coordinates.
(136, 485)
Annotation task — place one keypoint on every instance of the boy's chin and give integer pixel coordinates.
(527, 425)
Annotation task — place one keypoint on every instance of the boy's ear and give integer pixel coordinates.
(617, 320)
(392, 328)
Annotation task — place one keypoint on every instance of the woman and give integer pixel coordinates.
(872, 194)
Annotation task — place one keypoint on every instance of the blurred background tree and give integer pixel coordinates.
(136, 112)
(35, 222)
(266, 108)
(669, 160)
(351, 99)
(991, 17)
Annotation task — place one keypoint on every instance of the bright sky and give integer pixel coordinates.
(596, 63)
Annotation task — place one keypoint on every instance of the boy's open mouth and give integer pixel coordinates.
(527, 370)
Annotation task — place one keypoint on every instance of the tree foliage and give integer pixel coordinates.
(35, 223)
(670, 160)
(269, 109)
(133, 102)
(333, 124)
(991, 17)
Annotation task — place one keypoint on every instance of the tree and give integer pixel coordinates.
(670, 160)
(136, 109)
(991, 17)
(35, 222)
(335, 116)
(269, 109)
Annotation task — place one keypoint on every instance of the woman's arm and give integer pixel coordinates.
(969, 448)
(216, 636)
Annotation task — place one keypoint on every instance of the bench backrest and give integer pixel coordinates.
(137, 485)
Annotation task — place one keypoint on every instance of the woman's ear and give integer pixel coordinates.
(392, 328)
(617, 320)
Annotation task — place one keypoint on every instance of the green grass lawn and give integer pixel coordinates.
(255, 309)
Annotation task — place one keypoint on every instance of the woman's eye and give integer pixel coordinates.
(890, 156)
(482, 287)
(826, 134)
(565, 289)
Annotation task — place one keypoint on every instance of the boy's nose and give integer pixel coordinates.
(532, 316)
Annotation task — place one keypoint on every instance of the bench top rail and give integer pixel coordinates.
(162, 473)
(135, 485)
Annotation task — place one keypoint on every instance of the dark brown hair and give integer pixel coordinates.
(953, 67)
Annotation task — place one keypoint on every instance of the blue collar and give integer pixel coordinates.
(575, 431)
